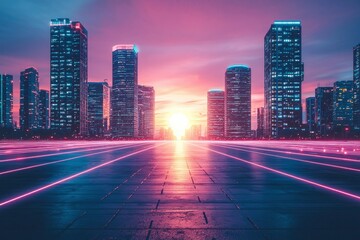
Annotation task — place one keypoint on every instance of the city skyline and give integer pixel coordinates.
(190, 58)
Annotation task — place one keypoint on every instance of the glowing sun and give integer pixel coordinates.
(178, 122)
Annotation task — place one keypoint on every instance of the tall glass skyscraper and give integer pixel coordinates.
(6, 101)
(356, 112)
(343, 106)
(215, 114)
(44, 109)
(324, 107)
(310, 113)
(124, 96)
(283, 77)
(68, 76)
(238, 102)
(29, 99)
(146, 111)
(98, 108)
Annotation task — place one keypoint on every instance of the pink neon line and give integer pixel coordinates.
(72, 177)
(357, 197)
(297, 159)
(62, 160)
(304, 154)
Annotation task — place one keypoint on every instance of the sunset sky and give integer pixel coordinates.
(185, 45)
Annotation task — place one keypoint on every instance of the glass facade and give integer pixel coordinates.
(44, 110)
(260, 122)
(146, 111)
(356, 112)
(98, 108)
(124, 96)
(29, 99)
(6, 101)
(238, 102)
(68, 76)
(284, 73)
(343, 106)
(324, 108)
(215, 114)
(310, 114)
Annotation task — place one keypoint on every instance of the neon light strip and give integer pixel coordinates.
(62, 160)
(354, 196)
(297, 159)
(73, 176)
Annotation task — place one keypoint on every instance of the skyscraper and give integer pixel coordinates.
(98, 108)
(238, 102)
(68, 76)
(283, 77)
(215, 114)
(44, 109)
(356, 112)
(6, 101)
(343, 107)
(146, 111)
(310, 114)
(260, 122)
(124, 96)
(324, 108)
(29, 99)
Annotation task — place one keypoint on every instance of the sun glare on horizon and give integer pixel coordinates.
(178, 123)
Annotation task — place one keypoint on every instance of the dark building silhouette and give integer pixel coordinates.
(283, 78)
(260, 122)
(238, 102)
(146, 106)
(310, 114)
(68, 76)
(324, 107)
(98, 108)
(44, 109)
(6, 101)
(124, 96)
(29, 99)
(343, 107)
(215, 114)
(356, 69)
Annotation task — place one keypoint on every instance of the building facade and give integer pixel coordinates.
(284, 73)
(29, 99)
(324, 107)
(68, 76)
(6, 101)
(356, 76)
(310, 114)
(260, 122)
(343, 107)
(44, 109)
(238, 102)
(124, 96)
(215, 114)
(98, 108)
(146, 106)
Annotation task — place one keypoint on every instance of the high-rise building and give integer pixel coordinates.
(29, 99)
(238, 102)
(44, 109)
(68, 76)
(310, 114)
(356, 112)
(343, 107)
(146, 105)
(124, 96)
(324, 108)
(98, 108)
(284, 73)
(215, 114)
(6, 101)
(260, 122)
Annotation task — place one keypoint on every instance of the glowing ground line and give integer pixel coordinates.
(72, 177)
(295, 159)
(63, 160)
(357, 197)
